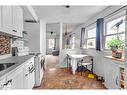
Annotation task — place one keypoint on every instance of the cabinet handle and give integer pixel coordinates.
(14, 30)
(5, 84)
(32, 69)
(9, 81)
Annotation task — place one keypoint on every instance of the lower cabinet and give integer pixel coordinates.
(21, 78)
(29, 76)
(3, 83)
(111, 74)
(15, 79)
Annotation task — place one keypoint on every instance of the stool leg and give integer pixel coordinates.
(81, 68)
(67, 63)
(92, 66)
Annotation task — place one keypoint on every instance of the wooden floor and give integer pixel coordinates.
(62, 78)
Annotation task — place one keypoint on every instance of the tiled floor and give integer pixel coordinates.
(61, 78)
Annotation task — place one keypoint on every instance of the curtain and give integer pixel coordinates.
(82, 38)
(99, 33)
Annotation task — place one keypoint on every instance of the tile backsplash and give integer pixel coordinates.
(5, 45)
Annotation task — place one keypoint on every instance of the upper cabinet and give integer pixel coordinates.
(11, 20)
(17, 21)
(7, 19)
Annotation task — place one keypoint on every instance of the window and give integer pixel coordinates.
(72, 42)
(51, 43)
(91, 38)
(115, 29)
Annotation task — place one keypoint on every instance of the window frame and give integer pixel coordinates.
(73, 41)
(86, 35)
(106, 21)
(53, 45)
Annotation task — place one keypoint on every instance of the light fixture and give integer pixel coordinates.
(66, 6)
(51, 33)
(66, 30)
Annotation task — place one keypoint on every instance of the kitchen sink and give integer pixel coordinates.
(4, 66)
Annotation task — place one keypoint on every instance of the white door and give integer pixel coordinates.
(107, 73)
(32, 74)
(7, 19)
(3, 84)
(112, 74)
(26, 76)
(20, 21)
(15, 79)
(17, 21)
(115, 76)
(15, 18)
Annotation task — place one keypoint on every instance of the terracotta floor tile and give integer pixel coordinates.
(61, 78)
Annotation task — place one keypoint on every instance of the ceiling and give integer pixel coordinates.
(73, 14)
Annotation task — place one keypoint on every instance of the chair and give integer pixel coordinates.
(86, 61)
(68, 62)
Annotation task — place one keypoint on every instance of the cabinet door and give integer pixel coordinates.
(115, 76)
(107, 73)
(17, 21)
(15, 18)
(3, 84)
(29, 77)
(26, 76)
(20, 21)
(15, 79)
(112, 73)
(32, 74)
(7, 18)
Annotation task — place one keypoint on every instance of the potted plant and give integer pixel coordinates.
(116, 45)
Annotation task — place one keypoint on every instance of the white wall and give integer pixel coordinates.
(55, 28)
(42, 37)
(97, 55)
(36, 36)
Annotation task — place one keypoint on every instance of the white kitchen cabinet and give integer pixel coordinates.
(6, 19)
(111, 74)
(29, 76)
(115, 76)
(32, 74)
(17, 21)
(11, 20)
(15, 79)
(3, 83)
(22, 77)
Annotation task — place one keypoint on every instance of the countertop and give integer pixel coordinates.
(115, 59)
(14, 59)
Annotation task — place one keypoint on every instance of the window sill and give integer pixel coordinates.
(115, 59)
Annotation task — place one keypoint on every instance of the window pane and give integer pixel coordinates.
(72, 42)
(122, 27)
(91, 43)
(108, 38)
(92, 33)
(117, 25)
(51, 43)
(122, 37)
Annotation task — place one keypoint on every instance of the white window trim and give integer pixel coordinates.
(107, 20)
(86, 35)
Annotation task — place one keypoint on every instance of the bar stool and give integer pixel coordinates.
(86, 61)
